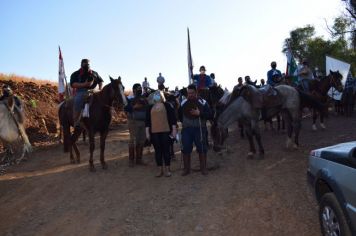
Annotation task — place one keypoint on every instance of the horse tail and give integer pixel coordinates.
(307, 99)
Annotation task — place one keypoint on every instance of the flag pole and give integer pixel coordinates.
(190, 60)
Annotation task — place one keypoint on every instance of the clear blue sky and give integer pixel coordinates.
(137, 39)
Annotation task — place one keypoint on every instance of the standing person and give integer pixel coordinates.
(136, 116)
(145, 85)
(193, 113)
(82, 81)
(202, 81)
(305, 75)
(160, 81)
(273, 74)
(248, 81)
(161, 127)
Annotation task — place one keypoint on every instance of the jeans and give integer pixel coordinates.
(192, 135)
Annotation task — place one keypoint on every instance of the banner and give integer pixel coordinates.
(63, 90)
(334, 65)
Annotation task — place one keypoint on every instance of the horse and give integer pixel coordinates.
(348, 101)
(246, 109)
(98, 121)
(318, 92)
(12, 128)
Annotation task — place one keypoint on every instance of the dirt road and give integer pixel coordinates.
(48, 196)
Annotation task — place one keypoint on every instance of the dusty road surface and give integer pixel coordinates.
(48, 196)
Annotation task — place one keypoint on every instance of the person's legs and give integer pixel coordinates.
(155, 140)
(199, 140)
(131, 126)
(187, 147)
(140, 141)
(78, 104)
(165, 144)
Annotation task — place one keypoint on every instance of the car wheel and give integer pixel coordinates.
(331, 217)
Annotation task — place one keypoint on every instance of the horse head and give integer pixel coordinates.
(116, 92)
(252, 96)
(335, 80)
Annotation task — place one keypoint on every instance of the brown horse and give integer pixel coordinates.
(319, 90)
(98, 121)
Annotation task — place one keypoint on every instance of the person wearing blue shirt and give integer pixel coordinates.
(202, 81)
(273, 74)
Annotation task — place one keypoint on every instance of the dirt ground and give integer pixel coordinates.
(48, 196)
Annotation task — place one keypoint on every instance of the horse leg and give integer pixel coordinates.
(296, 128)
(322, 120)
(286, 117)
(315, 115)
(73, 145)
(91, 149)
(103, 136)
(251, 142)
(259, 143)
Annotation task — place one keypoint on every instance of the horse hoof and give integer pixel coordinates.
(250, 155)
(105, 166)
(314, 128)
(322, 126)
(295, 146)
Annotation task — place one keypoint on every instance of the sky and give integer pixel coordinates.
(136, 39)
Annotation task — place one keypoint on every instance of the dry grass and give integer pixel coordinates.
(18, 78)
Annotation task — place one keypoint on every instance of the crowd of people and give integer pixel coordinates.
(153, 119)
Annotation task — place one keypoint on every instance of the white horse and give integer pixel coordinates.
(12, 130)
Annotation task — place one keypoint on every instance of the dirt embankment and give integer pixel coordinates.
(40, 99)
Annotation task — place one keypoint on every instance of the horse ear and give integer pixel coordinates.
(331, 71)
(111, 79)
(11, 102)
(119, 78)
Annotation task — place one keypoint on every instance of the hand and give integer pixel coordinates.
(174, 133)
(195, 112)
(89, 83)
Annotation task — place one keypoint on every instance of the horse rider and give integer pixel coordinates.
(135, 109)
(83, 81)
(273, 75)
(305, 75)
(202, 81)
(7, 92)
(248, 81)
(193, 113)
(239, 84)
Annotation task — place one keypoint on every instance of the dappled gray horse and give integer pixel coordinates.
(246, 109)
(12, 130)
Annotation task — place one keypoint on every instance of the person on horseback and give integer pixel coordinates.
(7, 92)
(239, 84)
(202, 81)
(273, 75)
(83, 80)
(248, 81)
(305, 75)
(193, 113)
(136, 115)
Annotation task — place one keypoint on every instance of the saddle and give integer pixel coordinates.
(265, 97)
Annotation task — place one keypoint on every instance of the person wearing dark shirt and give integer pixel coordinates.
(273, 75)
(194, 113)
(82, 81)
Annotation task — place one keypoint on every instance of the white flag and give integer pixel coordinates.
(61, 75)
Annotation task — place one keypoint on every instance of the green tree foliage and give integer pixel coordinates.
(304, 44)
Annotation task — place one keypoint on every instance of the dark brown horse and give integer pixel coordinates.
(318, 91)
(98, 121)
